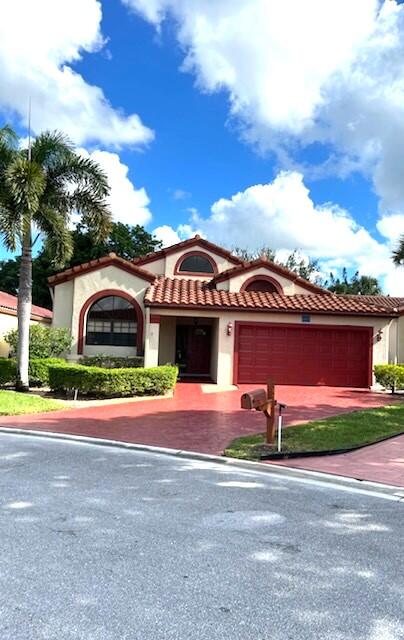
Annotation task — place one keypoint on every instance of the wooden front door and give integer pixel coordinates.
(193, 349)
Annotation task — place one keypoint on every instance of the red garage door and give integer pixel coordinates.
(307, 355)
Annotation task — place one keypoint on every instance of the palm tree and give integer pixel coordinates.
(40, 188)
(398, 253)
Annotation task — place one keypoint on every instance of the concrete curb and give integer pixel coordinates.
(387, 491)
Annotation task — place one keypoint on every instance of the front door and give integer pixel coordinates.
(193, 349)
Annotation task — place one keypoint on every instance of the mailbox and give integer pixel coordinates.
(263, 400)
(256, 399)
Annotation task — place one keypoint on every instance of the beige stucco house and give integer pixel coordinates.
(221, 318)
(8, 318)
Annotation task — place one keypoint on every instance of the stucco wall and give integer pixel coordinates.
(234, 284)
(171, 261)
(225, 350)
(7, 323)
(63, 304)
(168, 327)
(70, 299)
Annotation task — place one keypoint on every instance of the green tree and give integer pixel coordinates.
(40, 188)
(356, 285)
(127, 241)
(305, 268)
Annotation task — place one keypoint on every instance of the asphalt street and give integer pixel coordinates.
(100, 543)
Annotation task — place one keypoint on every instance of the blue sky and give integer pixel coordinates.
(246, 122)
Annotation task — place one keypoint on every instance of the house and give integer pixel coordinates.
(226, 319)
(8, 318)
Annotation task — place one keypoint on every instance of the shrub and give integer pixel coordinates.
(112, 382)
(44, 342)
(38, 370)
(112, 362)
(390, 376)
(8, 370)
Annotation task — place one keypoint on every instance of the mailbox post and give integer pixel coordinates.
(264, 401)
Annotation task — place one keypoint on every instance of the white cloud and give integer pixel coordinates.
(169, 236)
(391, 226)
(282, 215)
(128, 204)
(303, 72)
(180, 194)
(39, 41)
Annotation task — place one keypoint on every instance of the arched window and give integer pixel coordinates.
(196, 263)
(262, 285)
(112, 321)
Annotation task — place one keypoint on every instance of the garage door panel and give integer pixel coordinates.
(327, 355)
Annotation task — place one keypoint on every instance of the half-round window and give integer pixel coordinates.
(112, 321)
(262, 286)
(196, 264)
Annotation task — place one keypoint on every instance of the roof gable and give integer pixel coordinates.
(93, 265)
(196, 241)
(271, 267)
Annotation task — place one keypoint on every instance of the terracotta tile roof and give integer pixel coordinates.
(271, 266)
(9, 302)
(187, 244)
(93, 265)
(183, 293)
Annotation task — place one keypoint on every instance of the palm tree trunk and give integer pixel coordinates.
(24, 313)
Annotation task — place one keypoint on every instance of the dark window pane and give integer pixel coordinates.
(263, 286)
(196, 264)
(112, 321)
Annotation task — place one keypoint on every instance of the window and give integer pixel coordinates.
(263, 286)
(112, 321)
(196, 264)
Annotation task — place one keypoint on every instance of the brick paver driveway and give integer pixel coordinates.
(193, 420)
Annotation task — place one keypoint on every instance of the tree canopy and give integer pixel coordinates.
(125, 240)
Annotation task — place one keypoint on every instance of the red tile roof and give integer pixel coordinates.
(187, 244)
(105, 261)
(181, 293)
(271, 266)
(8, 302)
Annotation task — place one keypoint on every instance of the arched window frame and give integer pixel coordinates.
(275, 283)
(104, 294)
(200, 254)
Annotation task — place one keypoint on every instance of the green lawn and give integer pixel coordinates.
(342, 432)
(14, 404)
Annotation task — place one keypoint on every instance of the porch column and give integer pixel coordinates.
(225, 348)
(151, 347)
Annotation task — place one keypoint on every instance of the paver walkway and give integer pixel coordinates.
(383, 462)
(197, 421)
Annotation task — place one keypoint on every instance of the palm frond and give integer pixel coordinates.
(59, 239)
(26, 183)
(95, 213)
(10, 227)
(398, 253)
(50, 147)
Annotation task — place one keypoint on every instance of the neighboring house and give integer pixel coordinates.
(220, 317)
(8, 318)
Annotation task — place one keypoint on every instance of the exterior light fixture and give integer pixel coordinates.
(229, 329)
(379, 335)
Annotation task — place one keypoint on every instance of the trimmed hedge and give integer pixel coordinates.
(112, 362)
(112, 382)
(38, 370)
(390, 376)
(8, 370)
